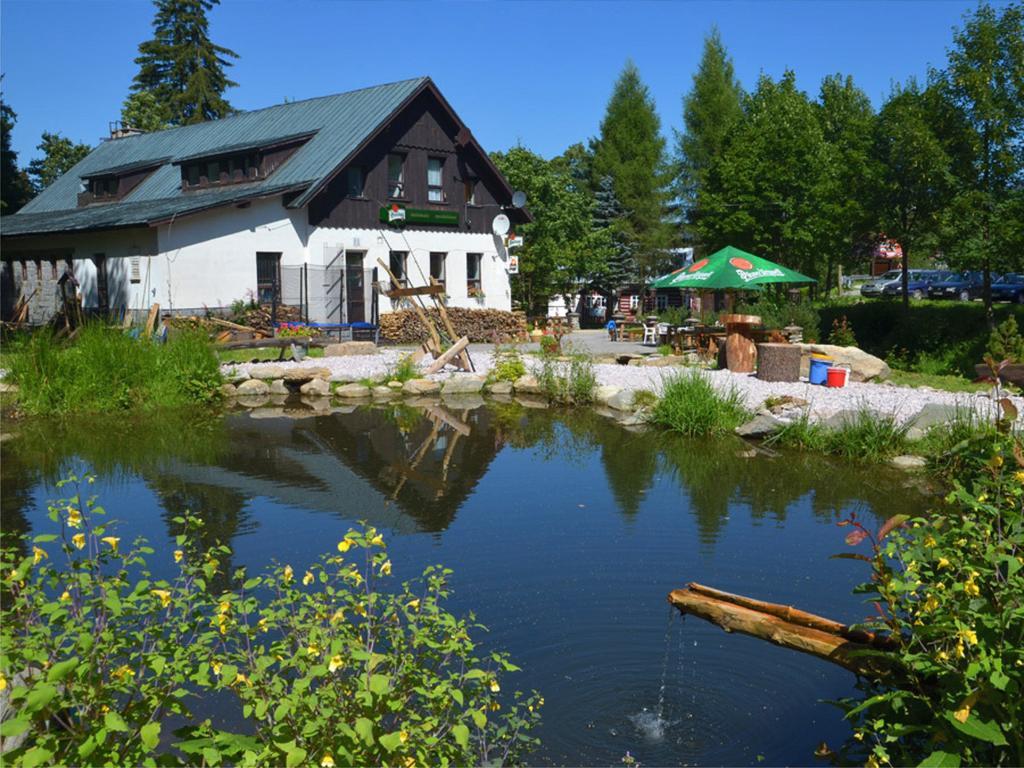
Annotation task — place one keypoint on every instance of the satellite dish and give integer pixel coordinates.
(518, 199)
(500, 225)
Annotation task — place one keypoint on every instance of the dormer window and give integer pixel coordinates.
(238, 163)
(104, 187)
(112, 184)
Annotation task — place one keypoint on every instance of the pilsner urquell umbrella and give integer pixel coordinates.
(730, 268)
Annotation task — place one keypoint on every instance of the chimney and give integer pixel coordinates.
(119, 130)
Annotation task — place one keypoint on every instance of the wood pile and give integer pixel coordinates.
(405, 327)
(254, 320)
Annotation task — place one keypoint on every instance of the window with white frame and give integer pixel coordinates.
(474, 285)
(435, 179)
(437, 270)
(396, 175)
(634, 302)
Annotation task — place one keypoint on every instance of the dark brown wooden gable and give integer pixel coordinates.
(425, 128)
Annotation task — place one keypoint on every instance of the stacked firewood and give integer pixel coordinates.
(260, 318)
(405, 326)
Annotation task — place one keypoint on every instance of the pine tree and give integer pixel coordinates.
(181, 66)
(710, 111)
(15, 189)
(60, 154)
(621, 267)
(631, 150)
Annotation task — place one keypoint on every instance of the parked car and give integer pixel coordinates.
(962, 287)
(874, 288)
(918, 282)
(1009, 288)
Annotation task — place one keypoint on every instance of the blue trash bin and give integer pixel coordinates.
(819, 369)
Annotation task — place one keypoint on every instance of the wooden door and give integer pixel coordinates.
(354, 288)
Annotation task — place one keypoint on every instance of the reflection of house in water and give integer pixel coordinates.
(400, 468)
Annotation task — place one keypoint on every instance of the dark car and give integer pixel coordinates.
(1009, 288)
(962, 287)
(918, 282)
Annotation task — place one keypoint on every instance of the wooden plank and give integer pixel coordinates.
(277, 343)
(442, 415)
(435, 339)
(421, 290)
(151, 318)
(444, 359)
(233, 326)
(464, 362)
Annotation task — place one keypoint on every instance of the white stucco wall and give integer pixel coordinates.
(324, 243)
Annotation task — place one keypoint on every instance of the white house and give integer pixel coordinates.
(199, 216)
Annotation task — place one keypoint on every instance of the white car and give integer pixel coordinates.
(873, 289)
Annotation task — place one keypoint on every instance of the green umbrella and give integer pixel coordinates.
(730, 268)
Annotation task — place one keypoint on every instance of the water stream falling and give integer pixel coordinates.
(652, 723)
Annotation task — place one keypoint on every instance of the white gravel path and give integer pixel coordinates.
(901, 402)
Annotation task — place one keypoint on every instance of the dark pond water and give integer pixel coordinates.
(566, 533)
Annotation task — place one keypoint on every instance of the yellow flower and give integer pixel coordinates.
(410, 762)
(931, 603)
(858, 736)
(224, 607)
(960, 649)
(385, 569)
(307, 579)
(122, 672)
(164, 595)
(261, 625)
(969, 635)
(414, 604)
(37, 555)
(942, 656)
(65, 596)
(3, 682)
(178, 555)
(335, 662)
(377, 541)
(339, 615)
(74, 518)
(943, 562)
(403, 736)
(494, 706)
(111, 541)
(929, 540)
(997, 461)
(240, 678)
(360, 609)
(288, 573)
(327, 761)
(344, 545)
(872, 762)
(313, 649)
(1019, 476)
(215, 666)
(494, 686)
(78, 540)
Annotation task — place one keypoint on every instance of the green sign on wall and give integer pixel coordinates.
(418, 216)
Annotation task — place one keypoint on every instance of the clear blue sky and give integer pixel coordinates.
(537, 73)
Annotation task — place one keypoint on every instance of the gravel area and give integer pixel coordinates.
(901, 402)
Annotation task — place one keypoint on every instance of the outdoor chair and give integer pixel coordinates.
(650, 334)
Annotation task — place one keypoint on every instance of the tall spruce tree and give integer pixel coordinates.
(631, 150)
(609, 215)
(710, 111)
(181, 66)
(15, 188)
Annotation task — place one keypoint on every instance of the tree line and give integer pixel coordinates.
(181, 79)
(812, 183)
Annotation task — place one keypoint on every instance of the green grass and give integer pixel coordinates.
(945, 382)
(691, 405)
(866, 436)
(104, 370)
(403, 370)
(260, 355)
(572, 382)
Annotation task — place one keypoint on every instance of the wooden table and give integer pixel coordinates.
(740, 350)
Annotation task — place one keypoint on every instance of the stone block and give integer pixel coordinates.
(349, 348)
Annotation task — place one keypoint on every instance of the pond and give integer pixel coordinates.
(565, 530)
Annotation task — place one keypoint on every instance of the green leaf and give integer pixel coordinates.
(479, 718)
(36, 756)
(150, 734)
(114, 722)
(61, 669)
(999, 679)
(390, 741)
(364, 727)
(457, 695)
(14, 727)
(984, 730)
(40, 695)
(379, 684)
(43, 538)
(940, 759)
(295, 757)
(461, 734)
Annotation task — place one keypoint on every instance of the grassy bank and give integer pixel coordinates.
(103, 370)
(690, 404)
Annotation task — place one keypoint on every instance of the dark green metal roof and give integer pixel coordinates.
(339, 124)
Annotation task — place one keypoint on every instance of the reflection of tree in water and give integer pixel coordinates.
(222, 511)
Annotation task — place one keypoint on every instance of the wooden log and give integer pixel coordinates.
(232, 326)
(435, 340)
(442, 415)
(453, 351)
(277, 343)
(825, 645)
(464, 362)
(151, 318)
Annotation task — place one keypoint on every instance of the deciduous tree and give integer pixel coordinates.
(142, 110)
(181, 66)
(60, 154)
